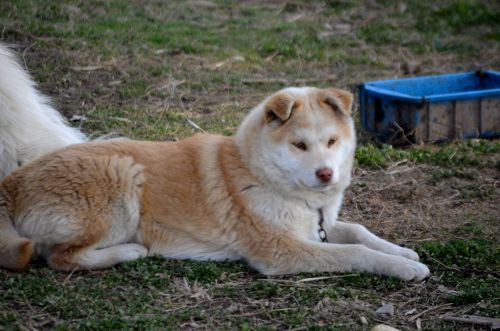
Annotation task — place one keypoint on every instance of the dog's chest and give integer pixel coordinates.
(289, 215)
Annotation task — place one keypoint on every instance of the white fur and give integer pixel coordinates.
(29, 126)
(291, 176)
(292, 193)
(107, 257)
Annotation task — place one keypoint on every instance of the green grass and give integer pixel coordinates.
(460, 154)
(380, 34)
(157, 293)
(460, 15)
(178, 28)
(471, 268)
(161, 124)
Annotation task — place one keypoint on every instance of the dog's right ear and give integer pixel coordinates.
(280, 107)
(339, 100)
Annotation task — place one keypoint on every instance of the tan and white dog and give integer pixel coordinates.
(270, 196)
(29, 126)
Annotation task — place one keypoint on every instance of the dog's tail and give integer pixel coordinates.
(15, 251)
(29, 125)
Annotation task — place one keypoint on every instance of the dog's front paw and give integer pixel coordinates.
(130, 252)
(408, 253)
(411, 270)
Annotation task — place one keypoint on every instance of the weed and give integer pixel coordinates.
(464, 253)
(442, 174)
(470, 267)
(380, 34)
(477, 191)
(459, 15)
(455, 154)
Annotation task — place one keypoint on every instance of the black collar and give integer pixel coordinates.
(321, 231)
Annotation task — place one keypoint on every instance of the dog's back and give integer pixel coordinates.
(29, 126)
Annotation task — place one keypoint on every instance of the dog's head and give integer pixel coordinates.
(300, 139)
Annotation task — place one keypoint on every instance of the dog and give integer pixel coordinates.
(269, 195)
(29, 126)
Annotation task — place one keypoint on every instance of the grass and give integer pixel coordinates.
(451, 155)
(154, 293)
(149, 69)
(471, 269)
(459, 15)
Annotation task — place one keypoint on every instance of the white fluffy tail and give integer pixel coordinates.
(29, 126)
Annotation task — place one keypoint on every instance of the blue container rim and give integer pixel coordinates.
(375, 89)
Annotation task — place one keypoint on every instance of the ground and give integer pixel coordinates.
(165, 70)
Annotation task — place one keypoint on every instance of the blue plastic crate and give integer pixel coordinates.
(432, 108)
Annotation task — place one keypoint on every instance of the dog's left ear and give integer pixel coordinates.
(339, 100)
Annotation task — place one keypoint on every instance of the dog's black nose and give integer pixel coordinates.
(324, 174)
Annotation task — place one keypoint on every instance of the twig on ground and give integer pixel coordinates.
(306, 280)
(314, 279)
(86, 68)
(493, 323)
(388, 187)
(404, 304)
(272, 56)
(24, 54)
(120, 119)
(418, 324)
(403, 134)
(414, 317)
(194, 125)
(66, 280)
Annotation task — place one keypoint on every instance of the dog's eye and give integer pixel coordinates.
(300, 145)
(331, 142)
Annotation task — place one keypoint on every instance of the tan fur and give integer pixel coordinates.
(281, 106)
(342, 99)
(93, 205)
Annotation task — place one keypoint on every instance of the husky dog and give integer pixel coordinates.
(29, 126)
(270, 195)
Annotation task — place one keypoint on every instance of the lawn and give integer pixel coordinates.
(164, 70)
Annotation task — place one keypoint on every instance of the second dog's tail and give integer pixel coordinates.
(29, 125)
(15, 251)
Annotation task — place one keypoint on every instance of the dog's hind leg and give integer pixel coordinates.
(15, 251)
(88, 213)
(71, 258)
(348, 233)
(107, 240)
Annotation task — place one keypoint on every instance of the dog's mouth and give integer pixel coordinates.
(320, 187)
(323, 187)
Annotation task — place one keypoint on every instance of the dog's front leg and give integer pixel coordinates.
(288, 254)
(349, 233)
